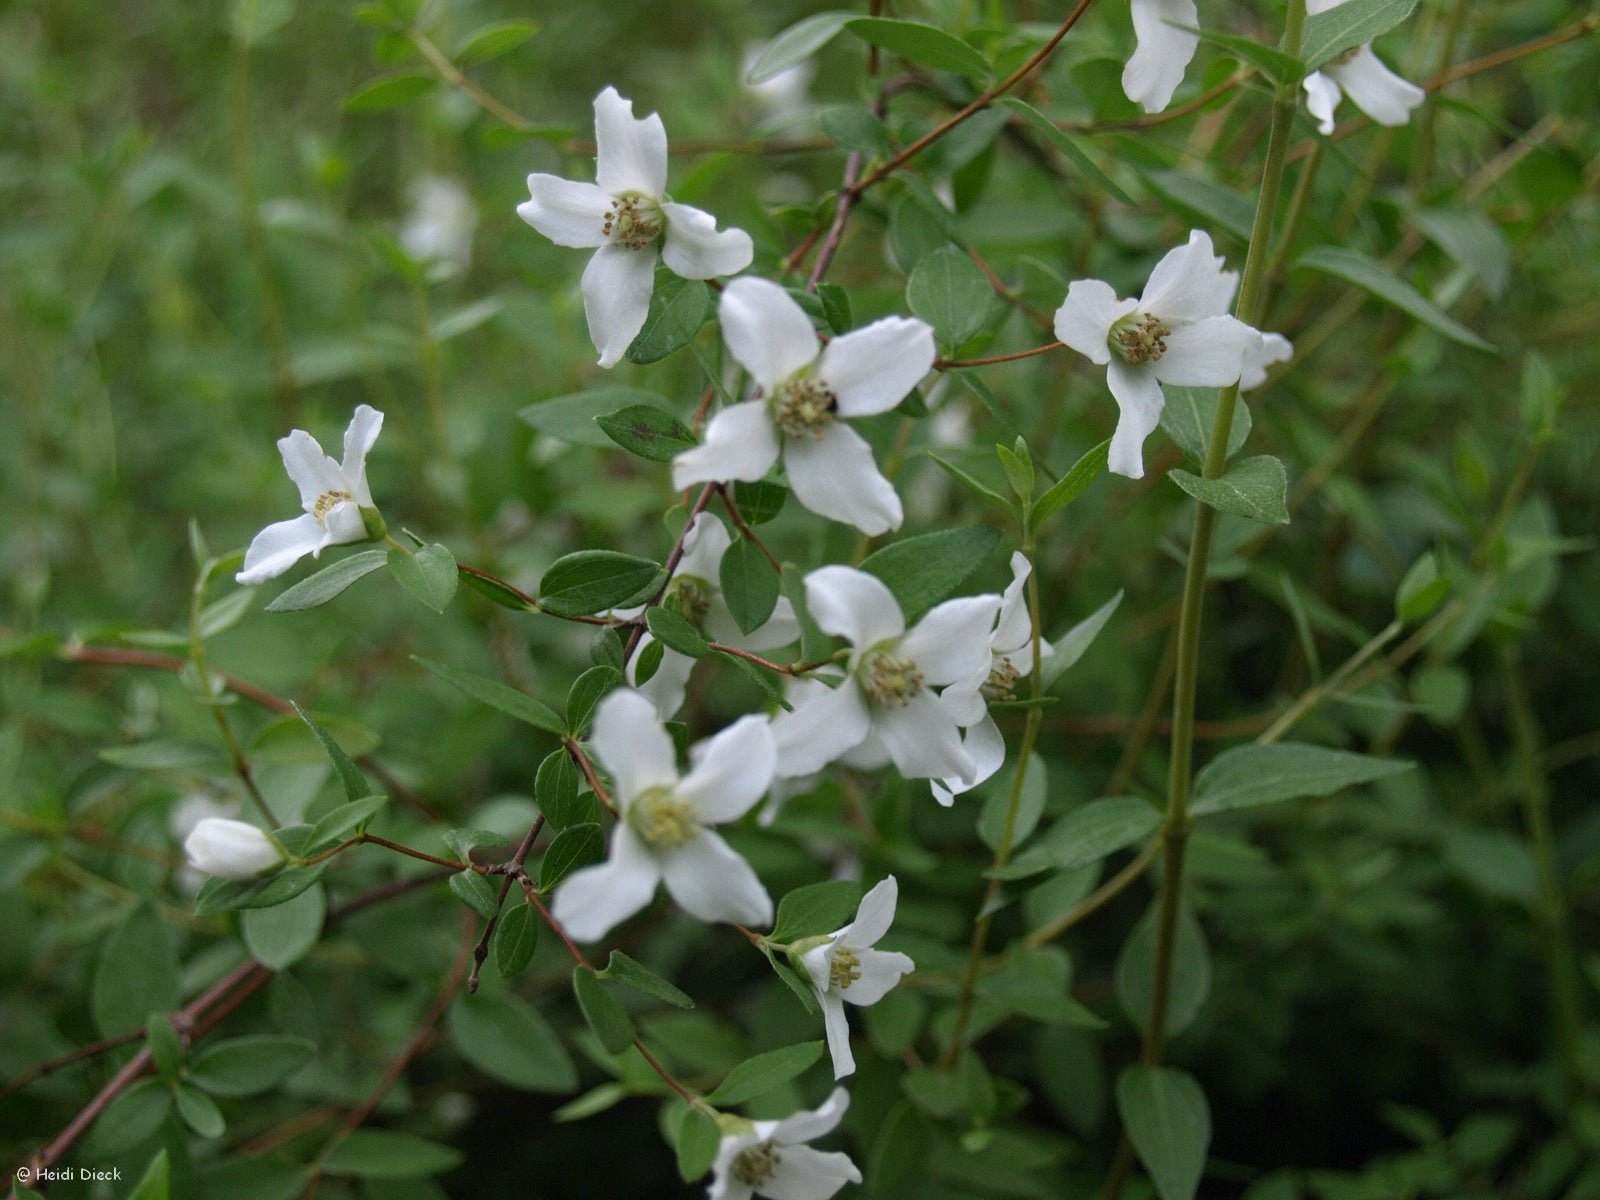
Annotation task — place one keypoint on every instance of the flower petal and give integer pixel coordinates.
(632, 744)
(1014, 628)
(1322, 98)
(834, 475)
(566, 212)
(922, 739)
(740, 443)
(818, 731)
(1274, 348)
(1139, 398)
(853, 605)
(343, 525)
(984, 743)
(665, 689)
(781, 628)
(837, 1028)
(359, 436)
(952, 641)
(1376, 90)
(1189, 284)
(880, 971)
(871, 370)
(1162, 52)
(616, 298)
(1086, 316)
(313, 472)
(809, 1126)
(806, 1174)
(591, 902)
(731, 771)
(766, 330)
(874, 915)
(711, 882)
(631, 152)
(696, 250)
(278, 547)
(1208, 353)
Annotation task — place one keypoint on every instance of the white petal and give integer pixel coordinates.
(566, 212)
(834, 475)
(731, 771)
(1162, 53)
(1086, 316)
(278, 547)
(712, 883)
(853, 605)
(868, 755)
(1376, 90)
(873, 917)
(781, 628)
(1139, 397)
(343, 525)
(704, 544)
(1014, 628)
(1208, 353)
(880, 971)
(313, 471)
(806, 1174)
(1189, 284)
(633, 745)
(591, 902)
(871, 370)
(359, 436)
(616, 298)
(695, 250)
(922, 739)
(1322, 98)
(1274, 348)
(665, 689)
(983, 742)
(741, 443)
(631, 153)
(964, 701)
(766, 330)
(809, 1126)
(820, 730)
(952, 641)
(1313, 7)
(838, 1031)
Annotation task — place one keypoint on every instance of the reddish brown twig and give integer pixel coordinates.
(481, 951)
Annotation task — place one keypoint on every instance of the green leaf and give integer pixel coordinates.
(796, 44)
(496, 695)
(1253, 487)
(815, 909)
(1275, 64)
(225, 895)
(698, 1140)
(343, 820)
(289, 739)
(673, 631)
(647, 431)
(574, 847)
(1351, 24)
(476, 892)
(244, 1066)
(948, 291)
(624, 970)
(556, 789)
(493, 40)
(132, 1118)
(587, 581)
(1085, 835)
(507, 1040)
(1188, 414)
(814, 644)
(923, 570)
(200, 1113)
(920, 43)
(1030, 804)
(1201, 200)
(1071, 485)
(516, 936)
(158, 755)
(855, 128)
(1372, 277)
(764, 679)
(280, 936)
(1169, 1124)
(759, 500)
(136, 974)
(155, 1184)
(1017, 462)
(574, 417)
(1191, 972)
(1064, 142)
(1249, 776)
(463, 842)
(222, 615)
(759, 1075)
(1420, 592)
(802, 990)
(161, 1039)
(972, 484)
(251, 22)
(350, 777)
(610, 1022)
(585, 694)
(678, 307)
(387, 1154)
(429, 574)
(494, 590)
(1070, 646)
(391, 91)
(749, 584)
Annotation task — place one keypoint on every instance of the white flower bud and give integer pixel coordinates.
(230, 849)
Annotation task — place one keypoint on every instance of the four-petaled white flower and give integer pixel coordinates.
(1361, 75)
(770, 1158)
(846, 967)
(805, 390)
(887, 692)
(1010, 662)
(230, 849)
(662, 831)
(626, 217)
(1162, 50)
(334, 495)
(1178, 332)
(695, 592)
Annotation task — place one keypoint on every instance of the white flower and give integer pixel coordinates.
(846, 967)
(1010, 662)
(333, 495)
(662, 832)
(1359, 74)
(770, 1158)
(1274, 348)
(438, 230)
(805, 389)
(230, 849)
(695, 591)
(1178, 332)
(1161, 52)
(887, 692)
(627, 218)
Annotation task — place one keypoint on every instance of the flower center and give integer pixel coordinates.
(691, 597)
(1139, 337)
(802, 406)
(891, 681)
(662, 819)
(633, 220)
(845, 968)
(327, 502)
(1002, 680)
(757, 1165)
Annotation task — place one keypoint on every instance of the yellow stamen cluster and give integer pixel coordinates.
(633, 221)
(1002, 681)
(327, 502)
(662, 818)
(691, 597)
(757, 1165)
(845, 968)
(891, 681)
(1139, 337)
(803, 406)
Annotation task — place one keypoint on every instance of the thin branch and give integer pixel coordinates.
(743, 526)
(481, 951)
(575, 749)
(955, 364)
